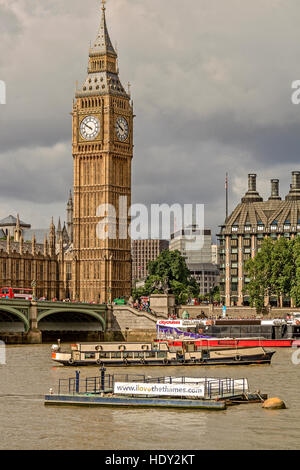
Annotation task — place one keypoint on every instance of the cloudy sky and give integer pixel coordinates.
(211, 82)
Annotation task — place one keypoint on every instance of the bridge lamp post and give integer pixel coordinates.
(33, 285)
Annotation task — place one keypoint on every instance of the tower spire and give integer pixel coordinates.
(103, 43)
(103, 70)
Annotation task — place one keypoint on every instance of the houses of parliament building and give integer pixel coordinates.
(72, 261)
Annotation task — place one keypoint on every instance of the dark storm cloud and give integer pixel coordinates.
(268, 143)
(211, 83)
(33, 174)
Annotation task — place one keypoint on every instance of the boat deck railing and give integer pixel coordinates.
(213, 387)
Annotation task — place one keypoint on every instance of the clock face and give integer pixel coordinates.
(90, 128)
(122, 129)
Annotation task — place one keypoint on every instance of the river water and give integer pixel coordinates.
(25, 423)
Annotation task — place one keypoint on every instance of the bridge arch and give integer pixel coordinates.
(90, 313)
(17, 313)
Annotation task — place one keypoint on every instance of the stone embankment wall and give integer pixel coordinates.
(232, 312)
(126, 323)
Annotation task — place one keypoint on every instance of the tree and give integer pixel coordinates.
(275, 270)
(139, 292)
(282, 268)
(215, 293)
(295, 289)
(259, 270)
(172, 266)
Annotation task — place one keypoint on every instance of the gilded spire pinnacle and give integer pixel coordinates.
(103, 5)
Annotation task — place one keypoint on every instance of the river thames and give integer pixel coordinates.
(25, 422)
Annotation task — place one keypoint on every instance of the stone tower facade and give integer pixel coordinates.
(102, 154)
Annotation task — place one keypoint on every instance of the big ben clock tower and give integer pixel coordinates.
(102, 153)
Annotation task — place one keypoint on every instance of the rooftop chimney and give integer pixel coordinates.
(294, 193)
(252, 195)
(252, 182)
(274, 191)
(296, 179)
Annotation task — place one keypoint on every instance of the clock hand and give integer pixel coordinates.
(87, 126)
(120, 127)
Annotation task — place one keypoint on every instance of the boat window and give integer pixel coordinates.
(128, 355)
(150, 354)
(89, 356)
(162, 354)
(139, 354)
(116, 355)
(105, 355)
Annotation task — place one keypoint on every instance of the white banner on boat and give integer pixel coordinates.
(152, 389)
(170, 323)
(179, 323)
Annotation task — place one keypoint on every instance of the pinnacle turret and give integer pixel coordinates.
(59, 231)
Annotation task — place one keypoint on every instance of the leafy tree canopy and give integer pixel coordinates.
(172, 266)
(275, 270)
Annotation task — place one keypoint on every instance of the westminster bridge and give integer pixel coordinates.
(33, 322)
(23, 321)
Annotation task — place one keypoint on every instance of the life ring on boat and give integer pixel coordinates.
(238, 358)
(142, 360)
(71, 361)
(126, 361)
(165, 361)
(297, 322)
(99, 362)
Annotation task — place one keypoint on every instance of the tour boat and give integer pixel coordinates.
(157, 354)
(242, 333)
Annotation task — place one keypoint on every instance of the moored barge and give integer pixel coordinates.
(155, 392)
(157, 354)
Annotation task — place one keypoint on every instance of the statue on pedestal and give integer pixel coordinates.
(162, 286)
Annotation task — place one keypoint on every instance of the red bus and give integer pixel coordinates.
(15, 293)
